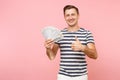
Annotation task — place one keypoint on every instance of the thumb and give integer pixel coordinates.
(76, 39)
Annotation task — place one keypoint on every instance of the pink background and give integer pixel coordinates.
(22, 53)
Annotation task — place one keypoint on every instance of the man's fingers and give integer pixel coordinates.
(76, 39)
(49, 41)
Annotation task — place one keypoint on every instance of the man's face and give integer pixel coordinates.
(71, 17)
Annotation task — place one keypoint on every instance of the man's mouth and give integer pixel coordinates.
(72, 20)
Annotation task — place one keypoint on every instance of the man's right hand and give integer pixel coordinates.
(48, 43)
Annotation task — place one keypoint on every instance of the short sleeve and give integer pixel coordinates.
(90, 38)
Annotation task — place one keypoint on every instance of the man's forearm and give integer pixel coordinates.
(90, 52)
(50, 53)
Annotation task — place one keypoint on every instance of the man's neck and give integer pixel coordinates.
(73, 28)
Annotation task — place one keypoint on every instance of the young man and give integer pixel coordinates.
(74, 46)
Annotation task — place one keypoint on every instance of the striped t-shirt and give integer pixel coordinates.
(73, 63)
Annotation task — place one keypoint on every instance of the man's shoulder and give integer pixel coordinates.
(64, 30)
(84, 30)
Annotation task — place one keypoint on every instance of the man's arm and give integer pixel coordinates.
(90, 50)
(51, 49)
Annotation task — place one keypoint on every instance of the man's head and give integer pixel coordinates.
(71, 15)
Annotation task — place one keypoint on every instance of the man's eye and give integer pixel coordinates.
(67, 15)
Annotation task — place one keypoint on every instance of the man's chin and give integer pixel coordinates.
(71, 25)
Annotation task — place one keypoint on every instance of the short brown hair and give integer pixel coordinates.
(70, 7)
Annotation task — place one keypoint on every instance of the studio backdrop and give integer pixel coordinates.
(22, 52)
